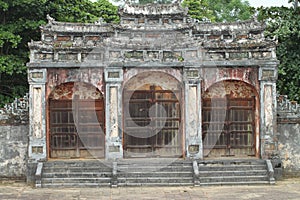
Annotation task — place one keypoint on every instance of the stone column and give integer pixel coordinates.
(193, 117)
(113, 113)
(37, 120)
(37, 114)
(267, 78)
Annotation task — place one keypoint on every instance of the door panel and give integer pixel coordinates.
(228, 126)
(76, 128)
(152, 125)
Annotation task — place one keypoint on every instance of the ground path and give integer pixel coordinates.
(286, 189)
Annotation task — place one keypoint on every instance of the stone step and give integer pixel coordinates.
(130, 172)
(233, 173)
(154, 161)
(235, 183)
(76, 180)
(232, 179)
(156, 174)
(154, 184)
(75, 169)
(232, 167)
(231, 163)
(234, 161)
(78, 163)
(75, 185)
(153, 180)
(154, 169)
(153, 172)
(84, 174)
(81, 165)
(159, 165)
(150, 163)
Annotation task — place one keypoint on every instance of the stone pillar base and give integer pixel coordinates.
(114, 150)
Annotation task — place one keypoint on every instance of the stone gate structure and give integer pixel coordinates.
(158, 84)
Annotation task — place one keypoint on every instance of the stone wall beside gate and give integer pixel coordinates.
(14, 132)
(288, 129)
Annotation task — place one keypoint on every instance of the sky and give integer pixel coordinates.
(258, 3)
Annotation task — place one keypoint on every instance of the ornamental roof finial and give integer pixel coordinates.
(50, 19)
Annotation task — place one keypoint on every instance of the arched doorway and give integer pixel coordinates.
(152, 118)
(230, 120)
(76, 122)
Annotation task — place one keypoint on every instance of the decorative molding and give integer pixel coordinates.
(16, 112)
(287, 108)
(19, 106)
(154, 9)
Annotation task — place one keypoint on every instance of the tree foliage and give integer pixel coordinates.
(219, 10)
(106, 10)
(231, 10)
(199, 9)
(19, 23)
(284, 24)
(81, 10)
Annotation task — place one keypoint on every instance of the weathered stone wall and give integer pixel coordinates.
(13, 150)
(14, 139)
(288, 128)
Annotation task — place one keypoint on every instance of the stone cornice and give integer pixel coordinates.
(153, 9)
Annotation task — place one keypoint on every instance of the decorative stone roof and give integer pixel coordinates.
(68, 27)
(153, 9)
(160, 35)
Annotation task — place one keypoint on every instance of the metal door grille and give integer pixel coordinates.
(159, 135)
(228, 126)
(76, 128)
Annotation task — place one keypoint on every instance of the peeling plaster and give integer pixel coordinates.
(213, 75)
(57, 77)
(136, 78)
(236, 89)
(69, 91)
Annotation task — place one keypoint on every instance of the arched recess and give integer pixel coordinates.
(230, 120)
(152, 116)
(76, 121)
